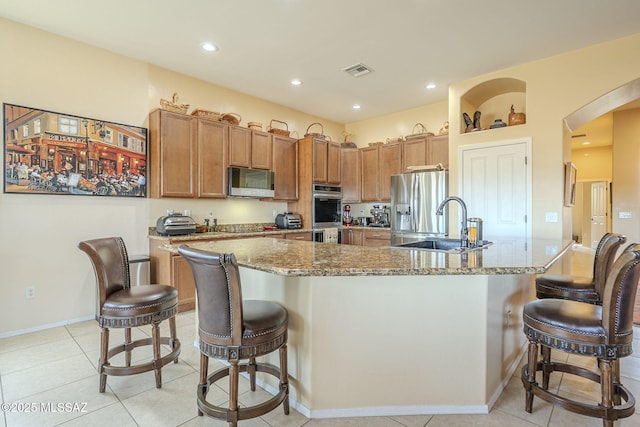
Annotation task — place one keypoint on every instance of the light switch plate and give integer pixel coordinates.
(551, 216)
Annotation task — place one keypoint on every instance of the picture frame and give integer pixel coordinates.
(47, 152)
(570, 176)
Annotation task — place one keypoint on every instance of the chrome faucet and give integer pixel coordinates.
(464, 231)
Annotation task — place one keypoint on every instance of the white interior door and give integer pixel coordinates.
(598, 212)
(495, 186)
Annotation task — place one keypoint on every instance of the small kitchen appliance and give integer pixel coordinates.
(175, 224)
(288, 220)
(347, 219)
(380, 216)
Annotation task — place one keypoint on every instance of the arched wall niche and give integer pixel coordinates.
(604, 104)
(493, 99)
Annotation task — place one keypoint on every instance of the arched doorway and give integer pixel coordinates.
(622, 107)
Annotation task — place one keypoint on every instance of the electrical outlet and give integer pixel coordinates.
(30, 292)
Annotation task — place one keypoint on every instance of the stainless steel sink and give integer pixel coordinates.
(443, 245)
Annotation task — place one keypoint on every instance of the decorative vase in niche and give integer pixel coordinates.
(516, 118)
(497, 123)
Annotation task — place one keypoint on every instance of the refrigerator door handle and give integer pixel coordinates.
(415, 201)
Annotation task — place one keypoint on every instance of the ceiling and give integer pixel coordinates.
(264, 44)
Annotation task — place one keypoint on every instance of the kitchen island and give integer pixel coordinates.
(390, 331)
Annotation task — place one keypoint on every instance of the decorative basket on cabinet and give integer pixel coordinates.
(282, 132)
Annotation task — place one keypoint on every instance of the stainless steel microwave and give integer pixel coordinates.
(250, 182)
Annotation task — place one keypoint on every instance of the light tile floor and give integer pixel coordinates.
(59, 366)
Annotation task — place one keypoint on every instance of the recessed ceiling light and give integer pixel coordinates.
(586, 143)
(431, 86)
(296, 82)
(356, 106)
(209, 47)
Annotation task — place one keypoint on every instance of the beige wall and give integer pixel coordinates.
(399, 124)
(594, 164)
(556, 87)
(626, 173)
(40, 233)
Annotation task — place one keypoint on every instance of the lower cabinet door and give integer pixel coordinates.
(183, 281)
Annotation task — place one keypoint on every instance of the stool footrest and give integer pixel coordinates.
(247, 412)
(142, 367)
(613, 413)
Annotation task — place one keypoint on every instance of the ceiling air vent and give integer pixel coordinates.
(358, 70)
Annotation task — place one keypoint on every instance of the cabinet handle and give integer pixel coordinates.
(300, 238)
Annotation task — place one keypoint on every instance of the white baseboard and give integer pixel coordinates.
(44, 327)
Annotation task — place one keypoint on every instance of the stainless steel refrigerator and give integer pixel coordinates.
(414, 200)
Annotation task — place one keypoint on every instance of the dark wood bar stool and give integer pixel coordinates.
(586, 289)
(601, 331)
(232, 330)
(122, 306)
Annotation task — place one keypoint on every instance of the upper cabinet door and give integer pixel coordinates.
(390, 164)
(239, 147)
(414, 153)
(212, 159)
(350, 175)
(261, 150)
(334, 163)
(320, 147)
(285, 168)
(369, 160)
(438, 150)
(173, 152)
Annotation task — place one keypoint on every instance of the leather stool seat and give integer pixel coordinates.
(233, 329)
(139, 301)
(602, 331)
(121, 305)
(586, 289)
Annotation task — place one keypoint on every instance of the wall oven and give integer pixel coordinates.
(327, 206)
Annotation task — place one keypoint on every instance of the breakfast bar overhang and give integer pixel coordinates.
(390, 331)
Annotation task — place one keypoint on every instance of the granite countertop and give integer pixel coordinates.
(221, 235)
(241, 231)
(302, 258)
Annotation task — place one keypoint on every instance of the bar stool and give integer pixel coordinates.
(232, 330)
(122, 306)
(586, 289)
(601, 331)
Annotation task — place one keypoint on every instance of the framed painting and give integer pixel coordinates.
(570, 174)
(46, 152)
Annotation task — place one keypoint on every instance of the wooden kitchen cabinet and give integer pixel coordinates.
(187, 156)
(350, 171)
(285, 168)
(376, 237)
(250, 148)
(326, 162)
(334, 164)
(173, 270)
(429, 150)
(370, 177)
(439, 146)
(172, 154)
(212, 152)
(351, 236)
(390, 164)
(318, 162)
(306, 236)
(261, 150)
(184, 282)
(378, 164)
